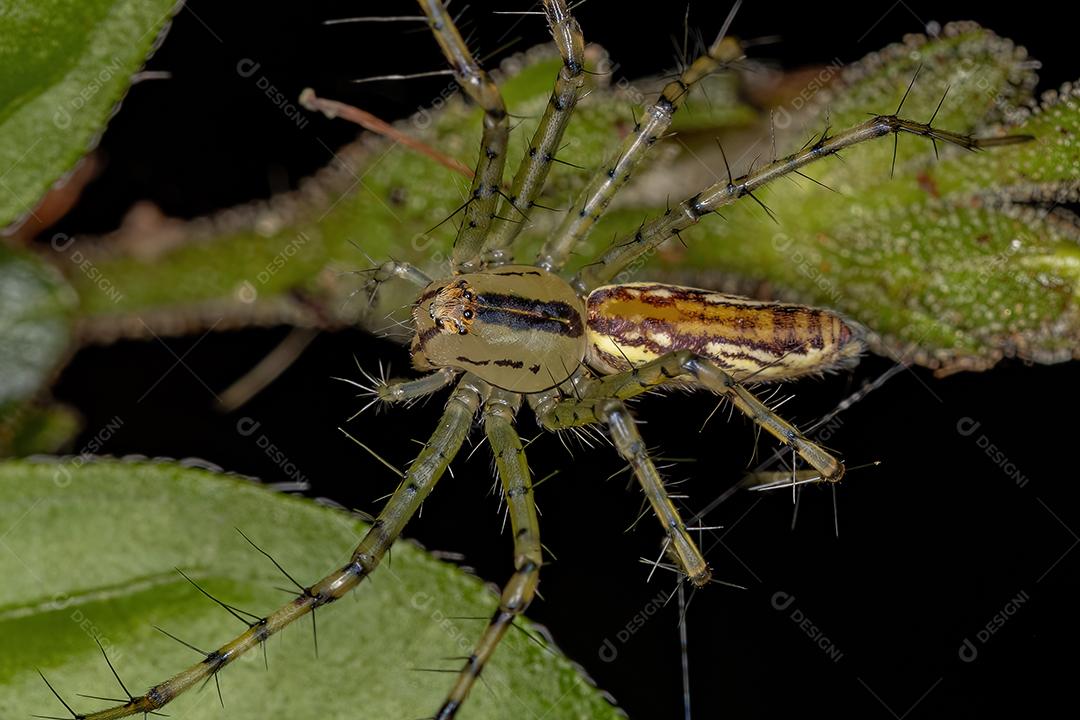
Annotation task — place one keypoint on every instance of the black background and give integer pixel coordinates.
(932, 543)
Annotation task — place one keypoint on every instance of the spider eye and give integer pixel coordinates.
(439, 323)
(462, 331)
(467, 314)
(467, 295)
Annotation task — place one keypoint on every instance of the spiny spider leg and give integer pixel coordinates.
(597, 195)
(499, 411)
(424, 471)
(414, 488)
(683, 366)
(403, 271)
(555, 414)
(390, 270)
(485, 189)
(397, 390)
(726, 192)
(631, 447)
(534, 168)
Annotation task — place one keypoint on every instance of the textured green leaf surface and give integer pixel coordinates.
(88, 551)
(35, 318)
(952, 262)
(66, 64)
(36, 310)
(242, 264)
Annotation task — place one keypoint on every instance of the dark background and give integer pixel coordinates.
(932, 544)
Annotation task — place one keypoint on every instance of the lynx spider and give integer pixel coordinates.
(574, 350)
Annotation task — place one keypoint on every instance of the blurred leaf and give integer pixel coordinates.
(33, 429)
(927, 257)
(35, 324)
(65, 66)
(942, 261)
(90, 552)
(247, 264)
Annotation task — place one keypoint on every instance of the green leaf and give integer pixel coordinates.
(65, 66)
(89, 553)
(35, 318)
(33, 428)
(247, 263)
(926, 257)
(36, 311)
(952, 264)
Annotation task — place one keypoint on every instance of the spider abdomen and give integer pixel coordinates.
(754, 340)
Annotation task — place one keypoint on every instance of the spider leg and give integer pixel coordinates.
(415, 486)
(484, 192)
(631, 447)
(390, 270)
(726, 192)
(533, 171)
(398, 391)
(424, 471)
(403, 271)
(499, 411)
(598, 194)
(554, 414)
(684, 366)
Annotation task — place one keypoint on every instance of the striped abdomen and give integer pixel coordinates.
(750, 339)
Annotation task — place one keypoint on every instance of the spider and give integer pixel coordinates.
(504, 334)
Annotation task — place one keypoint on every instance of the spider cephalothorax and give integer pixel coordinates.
(575, 350)
(518, 327)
